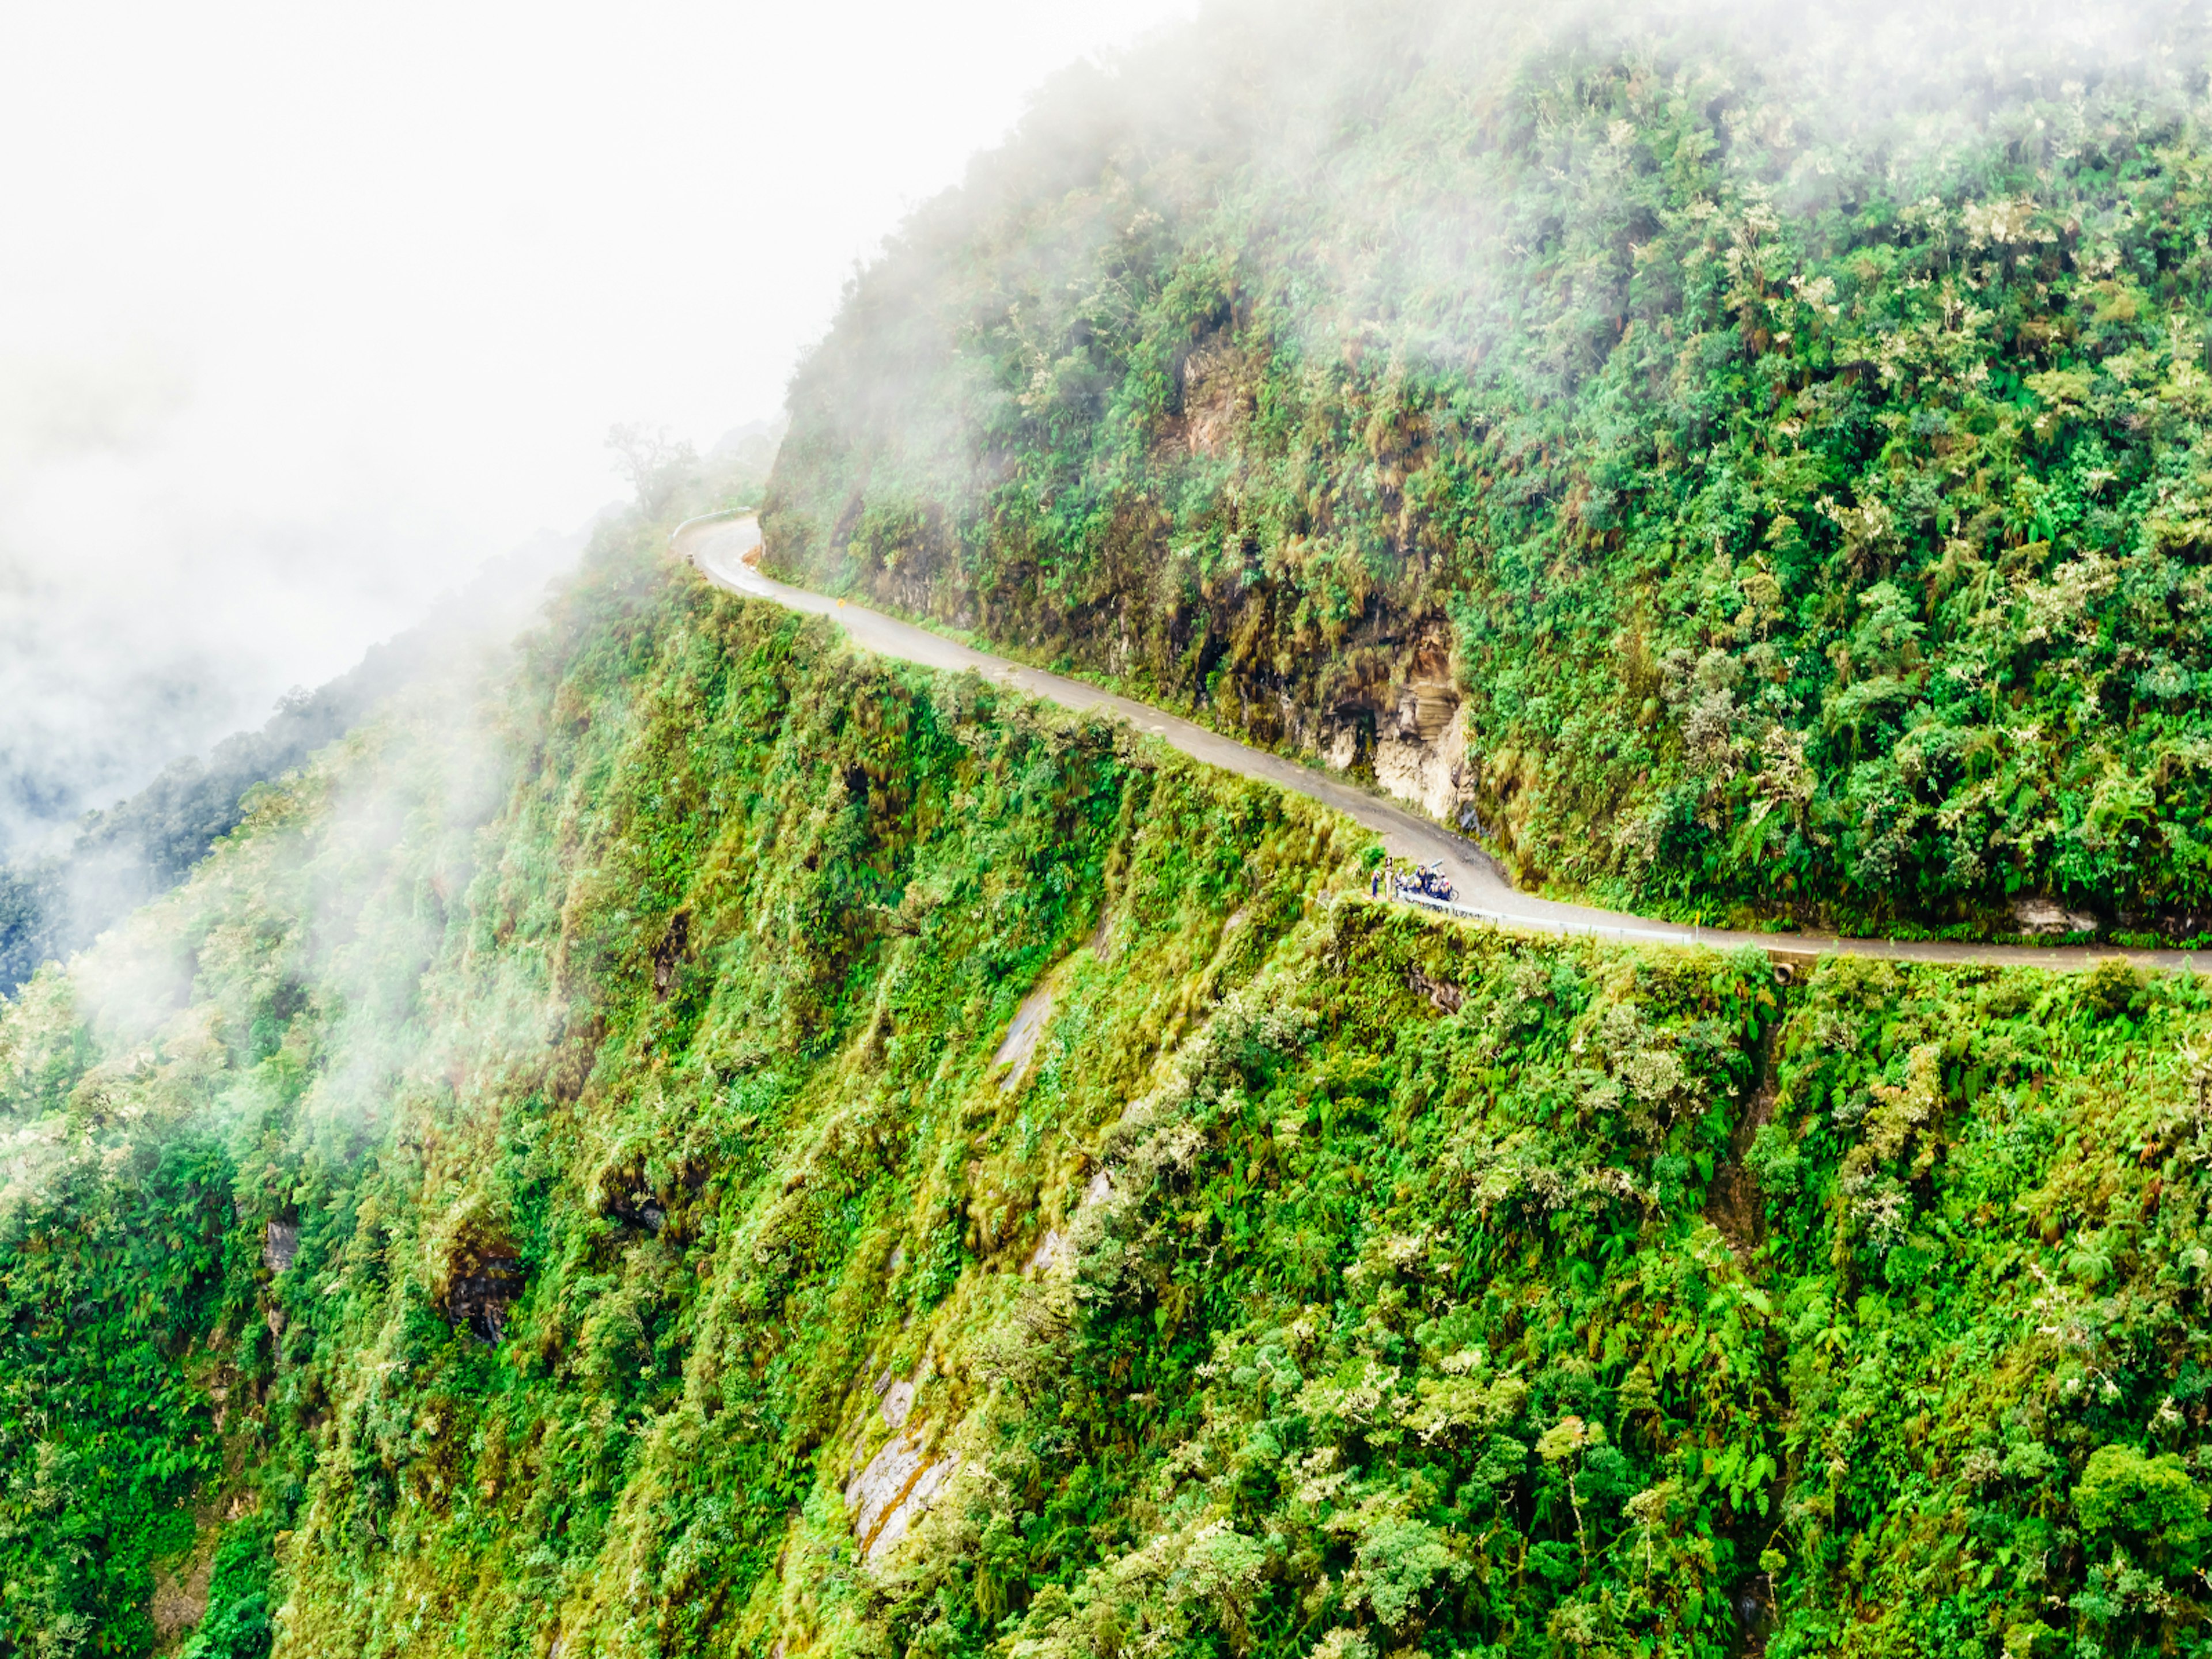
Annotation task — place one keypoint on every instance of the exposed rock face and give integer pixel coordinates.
(1420, 742)
(280, 1245)
(480, 1299)
(1443, 996)
(896, 1489)
(180, 1594)
(917, 1502)
(1055, 1252)
(895, 1400)
(2043, 916)
(1047, 1252)
(1217, 398)
(1020, 1045)
(476, 1271)
(1421, 758)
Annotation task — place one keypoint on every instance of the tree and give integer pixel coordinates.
(655, 465)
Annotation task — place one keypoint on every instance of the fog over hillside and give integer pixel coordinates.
(304, 314)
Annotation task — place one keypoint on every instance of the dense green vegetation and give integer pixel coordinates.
(508, 1193)
(1787, 429)
(724, 1146)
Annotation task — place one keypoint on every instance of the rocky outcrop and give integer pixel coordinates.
(1419, 751)
(1420, 757)
(480, 1299)
(280, 1245)
(894, 1399)
(2043, 916)
(905, 1477)
(1012, 1059)
(896, 1489)
(476, 1271)
(1047, 1252)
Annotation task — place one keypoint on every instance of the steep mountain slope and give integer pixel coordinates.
(1749, 459)
(744, 1149)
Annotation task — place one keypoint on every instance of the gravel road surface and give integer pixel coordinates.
(724, 551)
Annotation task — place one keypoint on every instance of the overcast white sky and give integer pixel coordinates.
(304, 309)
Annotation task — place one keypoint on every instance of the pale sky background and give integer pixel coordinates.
(307, 310)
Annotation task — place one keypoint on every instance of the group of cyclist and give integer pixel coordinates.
(1418, 881)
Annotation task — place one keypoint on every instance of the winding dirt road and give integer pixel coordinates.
(725, 552)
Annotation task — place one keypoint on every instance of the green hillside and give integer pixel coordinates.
(710, 1144)
(563, 1185)
(1752, 461)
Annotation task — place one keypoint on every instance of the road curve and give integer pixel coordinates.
(725, 551)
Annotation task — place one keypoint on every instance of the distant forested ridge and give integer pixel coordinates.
(1753, 461)
(55, 903)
